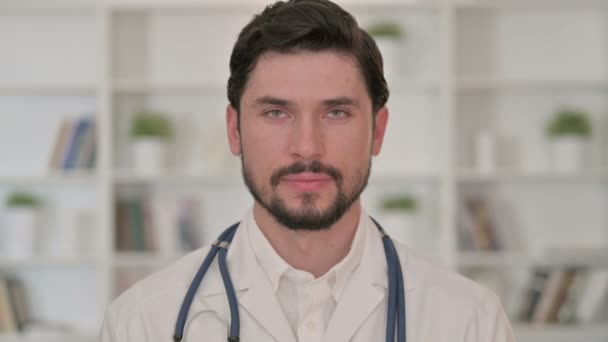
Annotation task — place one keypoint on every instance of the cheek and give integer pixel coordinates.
(261, 151)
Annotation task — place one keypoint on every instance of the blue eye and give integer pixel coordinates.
(337, 114)
(275, 113)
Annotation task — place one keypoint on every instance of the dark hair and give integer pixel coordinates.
(312, 25)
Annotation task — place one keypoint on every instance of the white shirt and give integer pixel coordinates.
(308, 303)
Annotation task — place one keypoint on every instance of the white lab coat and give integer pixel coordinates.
(441, 306)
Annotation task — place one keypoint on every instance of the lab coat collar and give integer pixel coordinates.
(364, 291)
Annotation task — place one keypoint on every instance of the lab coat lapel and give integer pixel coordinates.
(259, 298)
(363, 293)
(262, 304)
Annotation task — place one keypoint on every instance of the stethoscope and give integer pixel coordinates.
(396, 293)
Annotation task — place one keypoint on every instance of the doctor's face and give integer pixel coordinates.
(306, 136)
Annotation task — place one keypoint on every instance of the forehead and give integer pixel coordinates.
(306, 76)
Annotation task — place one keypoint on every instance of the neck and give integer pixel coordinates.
(315, 252)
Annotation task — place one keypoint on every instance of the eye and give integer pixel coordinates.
(337, 114)
(275, 114)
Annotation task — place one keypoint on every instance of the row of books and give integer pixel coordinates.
(156, 224)
(565, 295)
(75, 145)
(476, 229)
(14, 314)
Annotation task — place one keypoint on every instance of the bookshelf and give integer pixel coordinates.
(467, 66)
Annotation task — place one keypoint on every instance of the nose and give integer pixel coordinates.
(307, 141)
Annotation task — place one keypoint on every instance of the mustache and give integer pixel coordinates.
(301, 167)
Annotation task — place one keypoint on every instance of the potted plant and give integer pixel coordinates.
(20, 221)
(387, 35)
(398, 217)
(151, 132)
(568, 131)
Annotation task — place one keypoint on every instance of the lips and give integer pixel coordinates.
(307, 181)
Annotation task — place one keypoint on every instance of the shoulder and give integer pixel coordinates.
(446, 298)
(431, 278)
(155, 297)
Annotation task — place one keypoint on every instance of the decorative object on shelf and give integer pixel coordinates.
(485, 147)
(398, 218)
(388, 36)
(568, 131)
(75, 145)
(151, 132)
(134, 224)
(14, 313)
(476, 228)
(564, 295)
(20, 225)
(74, 236)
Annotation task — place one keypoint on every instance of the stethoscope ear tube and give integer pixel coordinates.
(235, 321)
(395, 315)
(198, 278)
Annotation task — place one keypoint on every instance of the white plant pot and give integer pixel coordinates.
(567, 153)
(399, 226)
(389, 48)
(149, 155)
(19, 233)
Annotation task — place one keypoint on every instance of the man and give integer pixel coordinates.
(306, 114)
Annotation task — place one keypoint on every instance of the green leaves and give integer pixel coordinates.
(399, 203)
(151, 124)
(385, 29)
(569, 122)
(21, 199)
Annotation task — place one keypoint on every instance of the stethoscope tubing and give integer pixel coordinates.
(396, 292)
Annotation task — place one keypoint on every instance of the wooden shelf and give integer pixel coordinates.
(470, 176)
(143, 86)
(255, 6)
(54, 178)
(596, 257)
(49, 335)
(492, 84)
(48, 89)
(47, 262)
(179, 178)
(563, 332)
(388, 178)
(141, 260)
(530, 4)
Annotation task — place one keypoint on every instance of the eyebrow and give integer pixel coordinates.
(338, 101)
(271, 100)
(341, 101)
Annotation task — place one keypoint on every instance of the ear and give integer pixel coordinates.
(381, 122)
(232, 126)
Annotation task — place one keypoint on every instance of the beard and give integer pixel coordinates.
(308, 217)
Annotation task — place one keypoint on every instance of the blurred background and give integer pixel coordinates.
(114, 160)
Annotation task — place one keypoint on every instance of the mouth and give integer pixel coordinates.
(307, 181)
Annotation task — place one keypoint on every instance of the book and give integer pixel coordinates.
(76, 139)
(85, 154)
(61, 140)
(477, 231)
(533, 293)
(18, 300)
(594, 299)
(554, 295)
(75, 145)
(567, 312)
(8, 321)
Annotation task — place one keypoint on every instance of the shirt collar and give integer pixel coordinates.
(275, 267)
(271, 263)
